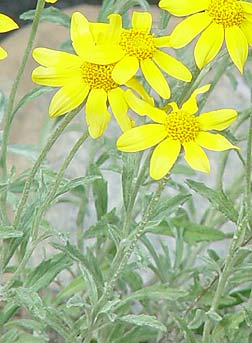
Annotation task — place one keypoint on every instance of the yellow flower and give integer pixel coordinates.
(180, 128)
(141, 49)
(217, 20)
(6, 24)
(86, 75)
(51, 1)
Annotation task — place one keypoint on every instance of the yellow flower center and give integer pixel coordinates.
(226, 12)
(137, 43)
(98, 76)
(182, 126)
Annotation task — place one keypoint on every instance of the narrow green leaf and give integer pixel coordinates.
(27, 338)
(10, 336)
(27, 150)
(128, 174)
(31, 300)
(143, 320)
(101, 226)
(51, 15)
(46, 271)
(155, 292)
(100, 192)
(193, 233)
(184, 328)
(137, 334)
(91, 286)
(9, 232)
(26, 323)
(169, 206)
(54, 319)
(198, 319)
(198, 233)
(74, 183)
(75, 286)
(218, 199)
(33, 94)
(3, 103)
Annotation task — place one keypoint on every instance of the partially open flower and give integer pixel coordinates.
(180, 128)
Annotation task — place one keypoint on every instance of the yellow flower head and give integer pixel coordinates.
(6, 24)
(177, 129)
(51, 1)
(217, 20)
(86, 75)
(141, 49)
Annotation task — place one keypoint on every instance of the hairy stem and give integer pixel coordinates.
(122, 257)
(9, 110)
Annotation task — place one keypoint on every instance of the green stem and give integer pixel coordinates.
(28, 184)
(248, 168)
(224, 275)
(10, 105)
(122, 257)
(45, 205)
(133, 196)
(56, 184)
(52, 139)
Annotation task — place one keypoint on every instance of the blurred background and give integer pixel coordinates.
(14, 8)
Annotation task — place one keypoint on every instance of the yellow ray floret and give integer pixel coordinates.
(171, 132)
(87, 76)
(217, 21)
(142, 51)
(6, 24)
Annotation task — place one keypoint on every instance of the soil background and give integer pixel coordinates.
(14, 8)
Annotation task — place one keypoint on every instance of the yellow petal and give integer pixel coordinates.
(155, 78)
(162, 42)
(191, 104)
(214, 141)
(6, 23)
(119, 107)
(55, 58)
(113, 32)
(246, 28)
(143, 108)
(247, 7)
(139, 88)
(172, 66)
(208, 44)
(98, 31)
(217, 120)
(237, 46)
(68, 98)
(163, 158)
(3, 53)
(103, 54)
(97, 115)
(80, 34)
(142, 21)
(188, 29)
(141, 137)
(51, 1)
(183, 7)
(125, 69)
(196, 157)
(53, 77)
